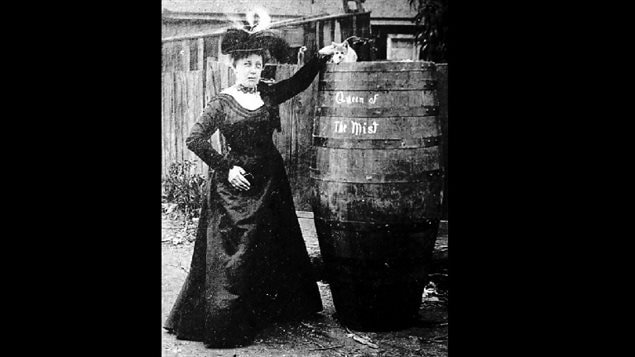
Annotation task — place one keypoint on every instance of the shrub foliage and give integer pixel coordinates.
(184, 188)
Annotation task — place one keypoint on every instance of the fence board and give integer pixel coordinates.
(346, 29)
(310, 41)
(212, 82)
(180, 108)
(211, 47)
(167, 119)
(164, 130)
(303, 147)
(175, 57)
(185, 55)
(282, 139)
(194, 109)
(172, 124)
(165, 58)
(442, 85)
(200, 53)
(337, 35)
(212, 88)
(226, 77)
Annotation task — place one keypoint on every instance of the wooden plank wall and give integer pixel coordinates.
(167, 121)
(294, 141)
(193, 81)
(182, 102)
(442, 88)
(177, 55)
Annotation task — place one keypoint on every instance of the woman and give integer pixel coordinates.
(250, 266)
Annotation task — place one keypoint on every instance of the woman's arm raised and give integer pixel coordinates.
(301, 80)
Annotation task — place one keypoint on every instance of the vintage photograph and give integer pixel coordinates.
(304, 178)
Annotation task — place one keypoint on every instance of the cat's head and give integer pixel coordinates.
(341, 49)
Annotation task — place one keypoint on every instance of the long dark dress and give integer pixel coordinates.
(250, 266)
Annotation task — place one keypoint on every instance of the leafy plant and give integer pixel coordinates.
(183, 188)
(432, 15)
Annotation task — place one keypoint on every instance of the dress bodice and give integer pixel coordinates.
(247, 131)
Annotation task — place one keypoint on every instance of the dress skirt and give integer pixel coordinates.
(250, 266)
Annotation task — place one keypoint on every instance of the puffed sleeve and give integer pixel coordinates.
(200, 134)
(301, 80)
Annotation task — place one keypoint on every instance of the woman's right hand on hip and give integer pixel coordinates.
(237, 180)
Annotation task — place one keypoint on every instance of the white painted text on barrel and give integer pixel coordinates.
(340, 98)
(356, 128)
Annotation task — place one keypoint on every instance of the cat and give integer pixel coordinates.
(343, 53)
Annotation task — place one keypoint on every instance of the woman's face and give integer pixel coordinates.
(248, 70)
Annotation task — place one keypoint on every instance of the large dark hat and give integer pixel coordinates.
(242, 40)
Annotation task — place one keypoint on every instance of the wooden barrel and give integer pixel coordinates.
(377, 184)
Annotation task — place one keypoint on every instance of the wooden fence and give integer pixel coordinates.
(182, 103)
(442, 88)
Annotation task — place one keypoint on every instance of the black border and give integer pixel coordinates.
(96, 216)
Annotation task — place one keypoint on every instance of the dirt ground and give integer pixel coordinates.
(322, 337)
